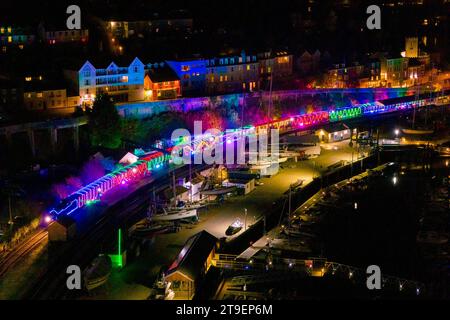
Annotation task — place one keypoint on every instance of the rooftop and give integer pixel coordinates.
(192, 257)
(158, 73)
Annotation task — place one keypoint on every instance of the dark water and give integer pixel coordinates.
(383, 228)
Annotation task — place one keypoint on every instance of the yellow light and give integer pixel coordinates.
(27, 78)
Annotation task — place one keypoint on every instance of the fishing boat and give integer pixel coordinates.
(150, 230)
(97, 274)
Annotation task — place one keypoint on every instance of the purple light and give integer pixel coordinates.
(123, 182)
(48, 219)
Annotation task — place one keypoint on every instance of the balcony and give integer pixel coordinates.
(115, 80)
(103, 72)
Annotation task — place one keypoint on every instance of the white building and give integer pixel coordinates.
(123, 84)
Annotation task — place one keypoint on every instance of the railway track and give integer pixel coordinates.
(13, 257)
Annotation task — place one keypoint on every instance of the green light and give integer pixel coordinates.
(119, 245)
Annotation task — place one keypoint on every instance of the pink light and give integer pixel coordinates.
(134, 170)
(123, 182)
(48, 219)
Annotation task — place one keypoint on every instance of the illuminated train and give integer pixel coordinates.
(94, 190)
(367, 109)
(156, 159)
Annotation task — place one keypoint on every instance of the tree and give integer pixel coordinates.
(105, 123)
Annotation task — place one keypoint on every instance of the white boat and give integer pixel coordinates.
(175, 215)
(234, 228)
(187, 206)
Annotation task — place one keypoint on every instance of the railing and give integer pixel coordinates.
(315, 267)
(111, 72)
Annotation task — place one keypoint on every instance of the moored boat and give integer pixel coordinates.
(97, 274)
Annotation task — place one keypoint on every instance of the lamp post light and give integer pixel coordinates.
(396, 134)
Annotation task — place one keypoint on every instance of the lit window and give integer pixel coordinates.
(9, 39)
(248, 67)
(2, 30)
(27, 78)
(185, 68)
(9, 30)
(39, 95)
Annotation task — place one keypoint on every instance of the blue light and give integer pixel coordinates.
(72, 206)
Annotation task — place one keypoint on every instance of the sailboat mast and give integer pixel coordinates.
(289, 207)
(270, 94)
(190, 180)
(174, 189)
